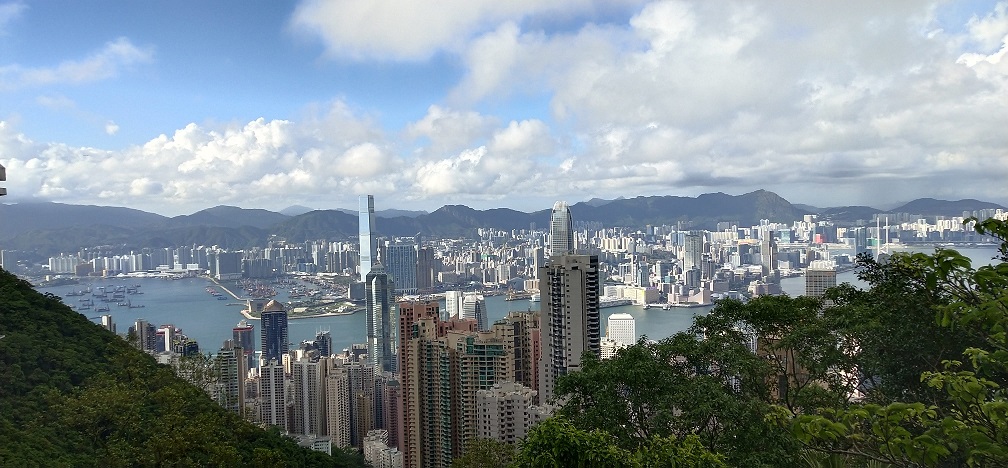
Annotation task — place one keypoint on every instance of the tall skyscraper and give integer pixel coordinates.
(273, 335)
(231, 368)
(474, 307)
(368, 243)
(272, 394)
(3, 177)
(561, 230)
(380, 292)
(308, 378)
(693, 250)
(453, 305)
(401, 264)
(243, 336)
(424, 275)
(570, 321)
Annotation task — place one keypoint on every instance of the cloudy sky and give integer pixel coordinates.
(173, 107)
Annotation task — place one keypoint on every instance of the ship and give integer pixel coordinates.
(535, 297)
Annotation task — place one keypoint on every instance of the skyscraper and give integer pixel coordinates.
(273, 335)
(400, 262)
(453, 305)
(561, 230)
(231, 368)
(242, 335)
(368, 243)
(819, 276)
(272, 394)
(570, 320)
(474, 307)
(380, 292)
(693, 250)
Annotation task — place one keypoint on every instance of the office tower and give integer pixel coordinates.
(380, 292)
(368, 243)
(308, 379)
(400, 262)
(231, 369)
(425, 270)
(561, 230)
(453, 305)
(622, 328)
(506, 412)
(272, 394)
(693, 250)
(273, 336)
(474, 307)
(819, 276)
(243, 335)
(570, 320)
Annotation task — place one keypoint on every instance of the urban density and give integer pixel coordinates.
(433, 373)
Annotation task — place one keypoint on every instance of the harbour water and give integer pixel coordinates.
(186, 304)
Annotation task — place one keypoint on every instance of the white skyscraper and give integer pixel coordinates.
(453, 305)
(474, 307)
(622, 328)
(561, 230)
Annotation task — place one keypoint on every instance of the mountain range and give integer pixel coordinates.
(50, 228)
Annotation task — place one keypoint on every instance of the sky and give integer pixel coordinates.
(174, 107)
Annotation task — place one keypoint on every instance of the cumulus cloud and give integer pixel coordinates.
(111, 128)
(105, 63)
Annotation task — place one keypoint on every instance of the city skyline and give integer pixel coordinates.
(489, 104)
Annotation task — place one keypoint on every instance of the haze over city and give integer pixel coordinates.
(175, 107)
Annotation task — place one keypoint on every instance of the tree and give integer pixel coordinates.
(970, 423)
(485, 453)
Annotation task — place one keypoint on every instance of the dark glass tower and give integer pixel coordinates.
(368, 243)
(380, 291)
(274, 332)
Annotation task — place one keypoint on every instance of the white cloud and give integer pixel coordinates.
(10, 12)
(111, 128)
(103, 64)
(415, 29)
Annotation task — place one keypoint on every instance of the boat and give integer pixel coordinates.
(647, 306)
(536, 297)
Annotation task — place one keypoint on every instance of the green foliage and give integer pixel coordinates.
(73, 394)
(485, 453)
(556, 443)
(968, 423)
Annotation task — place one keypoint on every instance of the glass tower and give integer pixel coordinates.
(368, 243)
(561, 230)
(274, 332)
(380, 291)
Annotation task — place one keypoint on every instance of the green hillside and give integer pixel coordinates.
(73, 394)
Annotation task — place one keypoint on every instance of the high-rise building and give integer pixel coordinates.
(338, 419)
(231, 369)
(273, 335)
(819, 276)
(308, 376)
(506, 412)
(561, 230)
(693, 250)
(272, 394)
(243, 335)
(570, 320)
(622, 328)
(768, 256)
(368, 243)
(380, 292)
(453, 305)
(474, 307)
(106, 321)
(425, 272)
(400, 262)
(3, 177)
(146, 335)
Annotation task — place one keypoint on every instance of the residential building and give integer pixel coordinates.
(570, 324)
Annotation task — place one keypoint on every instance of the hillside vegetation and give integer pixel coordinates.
(74, 394)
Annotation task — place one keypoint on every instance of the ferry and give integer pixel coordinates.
(535, 297)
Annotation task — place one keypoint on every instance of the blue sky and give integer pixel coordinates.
(178, 106)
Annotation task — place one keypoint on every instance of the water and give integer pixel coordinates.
(186, 304)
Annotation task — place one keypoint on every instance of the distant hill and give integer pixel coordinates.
(229, 216)
(932, 207)
(74, 394)
(295, 210)
(50, 228)
(21, 218)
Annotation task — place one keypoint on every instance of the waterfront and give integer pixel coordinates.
(186, 304)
